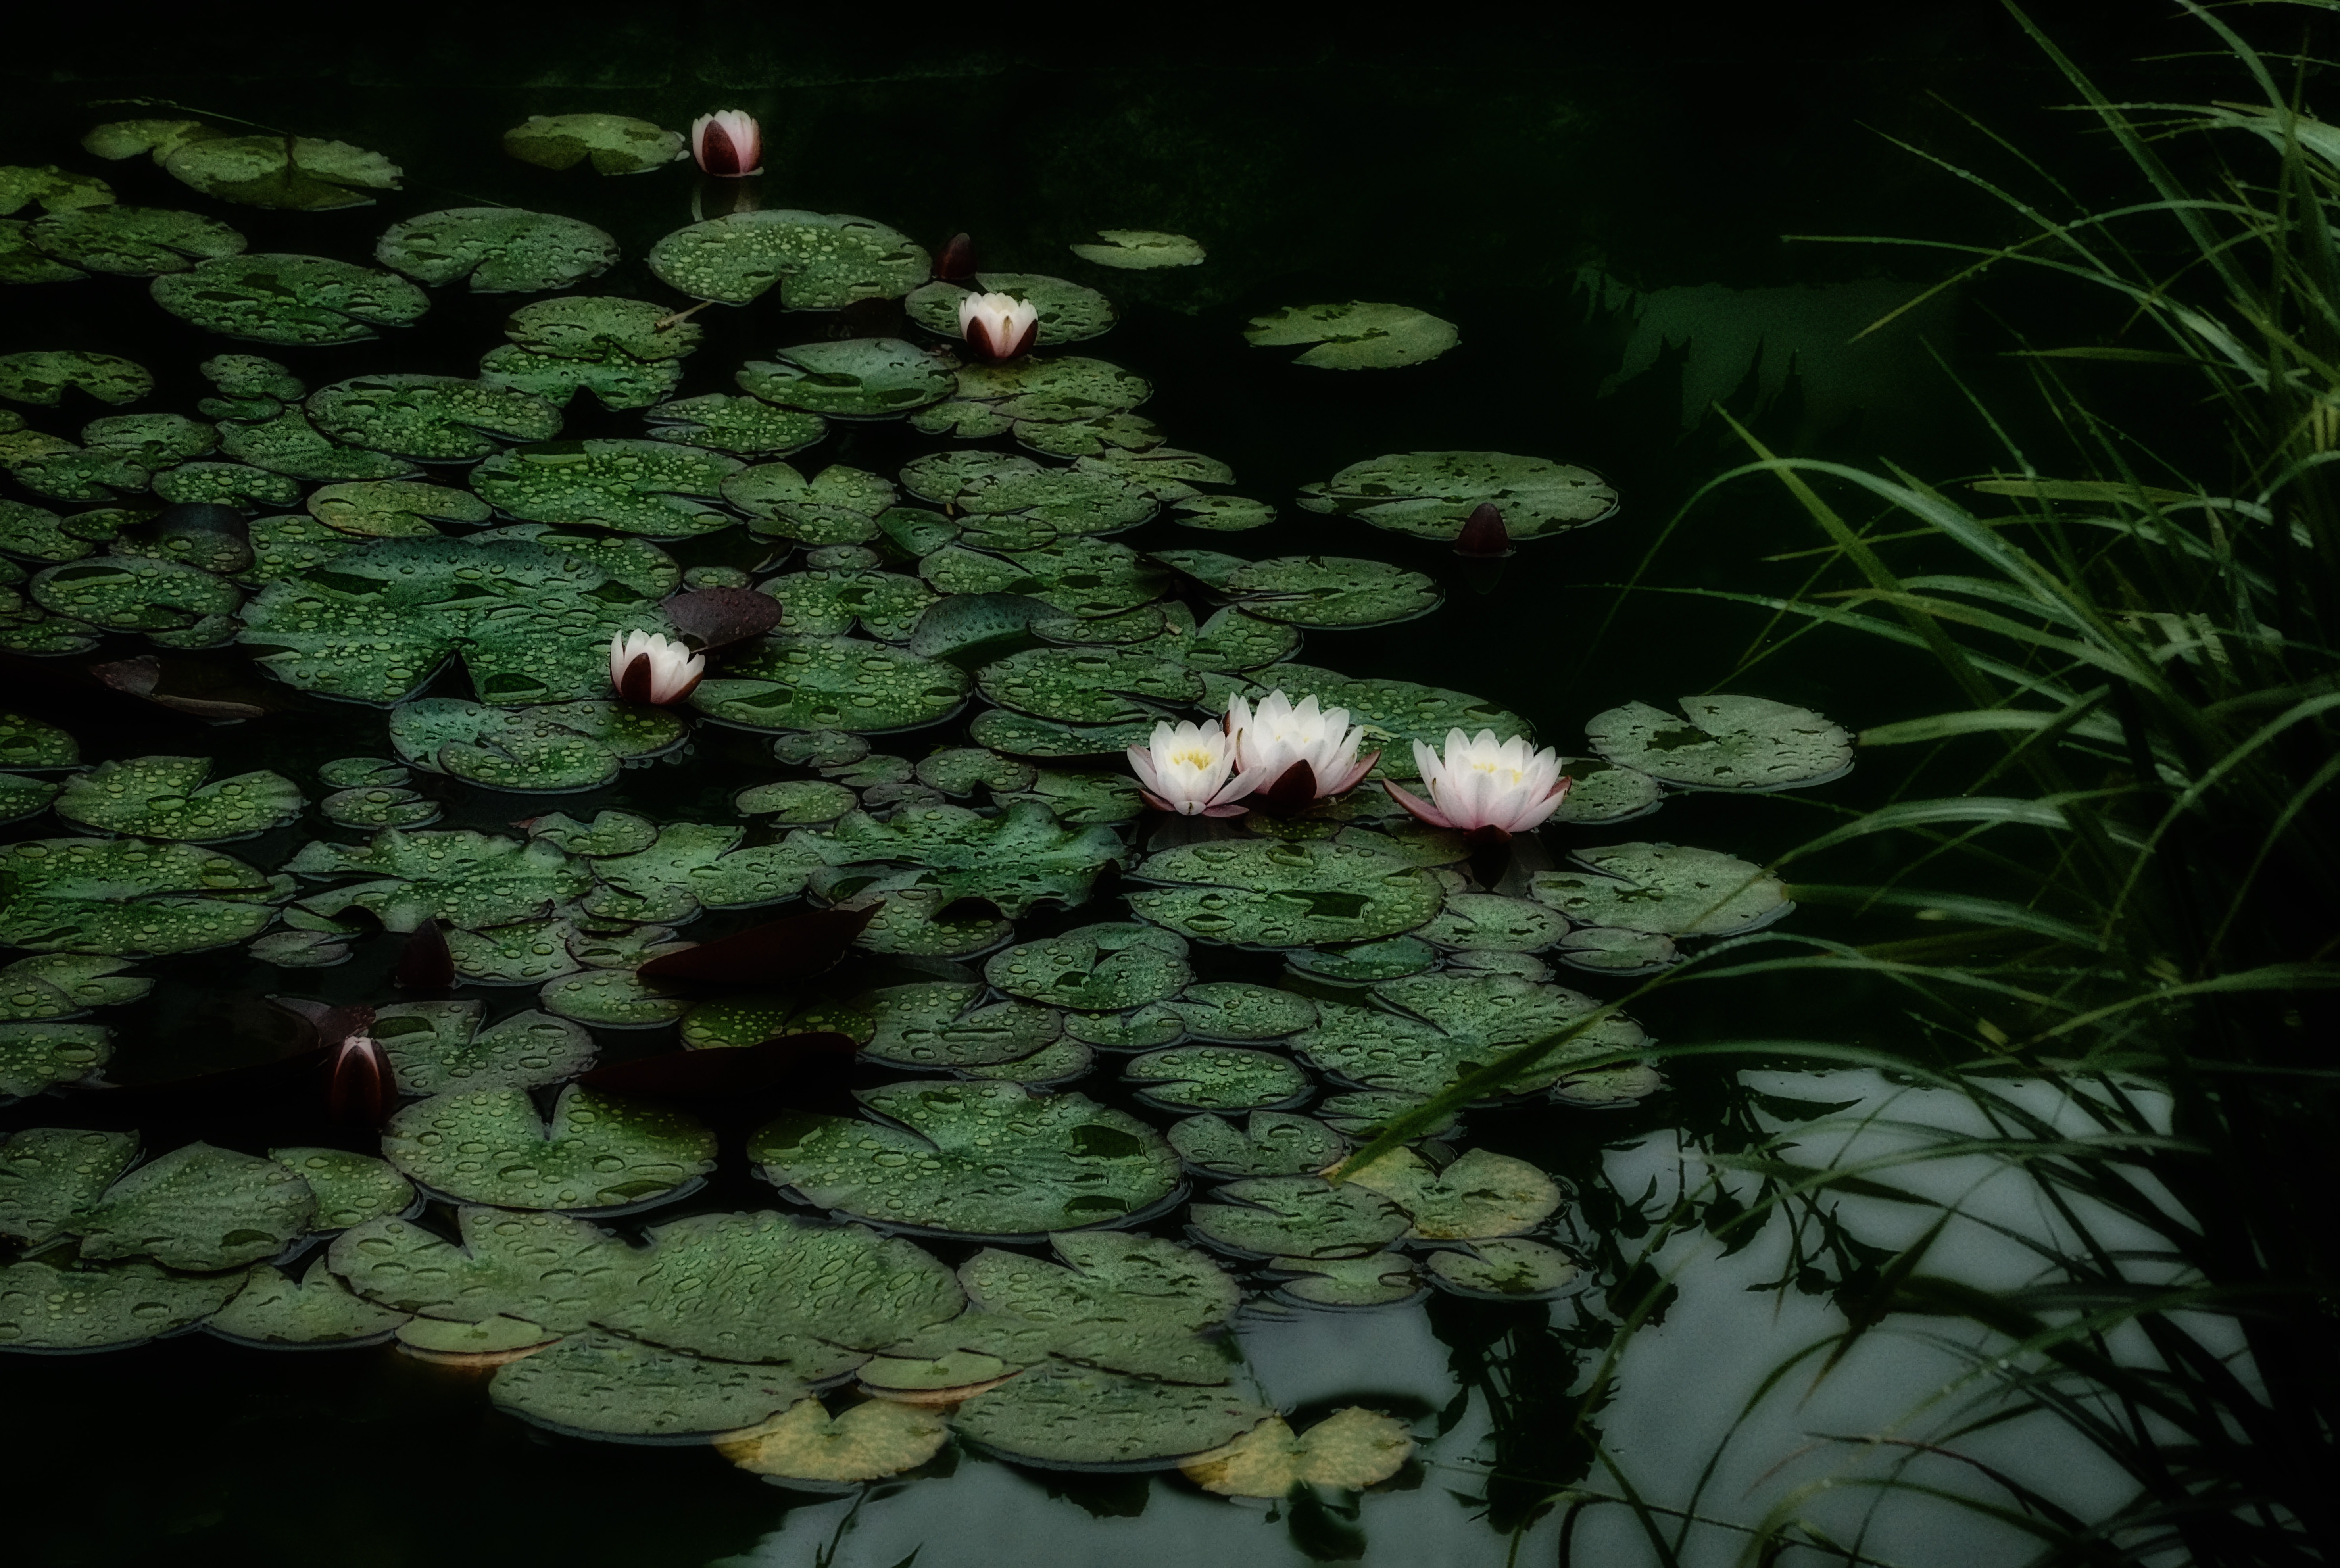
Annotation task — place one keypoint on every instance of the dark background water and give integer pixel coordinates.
(1555, 190)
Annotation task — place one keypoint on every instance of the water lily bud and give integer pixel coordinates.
(359, 1084)
(957, 261)
(998, 327)
(1483, 533)
(646, 667)
(729, 143)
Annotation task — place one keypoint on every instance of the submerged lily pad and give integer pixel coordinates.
(287, 299)
(1260, 893)
(166, 797)
(1355, 336)
(531, 624)
(124, 897)
(853, 378)
(820, 262)
(617, 143)
(1433, 494)
(831, 683)
(1061, 1414)
(42, 1307)
(1068, 311)
(200, 1208)
(985, 1159)
(501, 250)
(1747, 743)
(597, 1151)
(1140, 249)
(1665, 889)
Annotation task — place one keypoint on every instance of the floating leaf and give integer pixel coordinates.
(1505, 1269)
(1600, 791)
(839, 589)
(605, 1385)
(794, 801)
(1355, 336)
(973, 1159)
(132, 242)
(468, 879)
(438, 1047)
(296, 173)
(1332, 590)
(1082, 577)
(166, 797)
(125, 898)
(1451, 1025)
(1297, 1216)
(1067, 500)
(1746, 743)
(1350, 1449)
(852, 378)
(350, 1188)
(570, 746)
(646, 487)
(1481, 1195)
(1139, 249)
(938, 1023)
(1235, 1010)
(56, 190)
(819, 262)
(873, 1440)
(44, 376)
(1068, 311)
(734, 424)
(1269, 1144)
(1263, 894)
(1099, 968)
(588, 327)
(287, 299)
(44, 1308)
(1030, 397)
(692, 864)
(134, 593)
(64, 985)
(531, 624)
(490, 1145)
(831, 683)
(200, 1208)
(1097, 685)
(1218, 1078)
(1433, 494)
(47, 1175)
(1488, 922)
(1081, 797)
(840, 505)
(501, 250)
(1059, 1414)
(616, 143)
(1665, 889)
(1376, 1279)
(271, 1310)
(551, 1271)
(1022, 856)
(433, 419)
(1608, 951)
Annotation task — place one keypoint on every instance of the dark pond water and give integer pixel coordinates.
(1601, 215)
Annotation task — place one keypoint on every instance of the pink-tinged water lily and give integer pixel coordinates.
(728, 143)
(1190, 768)
(1486, 788)
(646, 667)
(1300, 752)
(998, 327)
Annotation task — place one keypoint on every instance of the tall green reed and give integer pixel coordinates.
(2120, 858)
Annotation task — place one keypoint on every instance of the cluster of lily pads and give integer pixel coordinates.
(429, 544)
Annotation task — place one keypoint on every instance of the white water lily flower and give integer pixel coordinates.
(1190, 768)
(999, 326)
(1486, 786)
(646, 667)
(728, 143)
(1272, 739)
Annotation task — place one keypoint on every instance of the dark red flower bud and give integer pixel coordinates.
(957, 260)
(1483, 534)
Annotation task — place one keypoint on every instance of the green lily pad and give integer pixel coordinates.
(125, 898)
(1297, 1216)
(21, 798)
(1744, 743)
(1480, 1195)
(273, 1310)
(1258, 893)
(1068, 500)
(795, 802)
(432, 419)
(1433, 494)
(592, 327)
(65, 986)
(1598, 790)
(166, 797)
(1082, 577)
(608, 1386)
(394, 509)
(56, 190)
(549, 1270)
(819, 262)
(731, 1023)
(617, 382)
(438, 1047)
(468, 879)
(1081, 798)
(1148, 1028)
(1450, 1025)
(1665, 889)
(939, 1024)
(225, 484)
(652, 488)
(44, 1308)
(21, 263)
(962, 769)
(852, 378)
(132, 242)
(1061, 1414)
(501, 250)
(693, 864)
(198, 1208)
(377, 807)
(770, 1287)
(1349, 1450)
(1093, 685)
(1218, 1078)
(908, 916)
(874, 1439)
(287, 443)
(1224, 513)
(596, 1153)
(840, 505)
(1140, 249)
(1096, 968)
(1488, 922)
(350, 1188)
(47, 1175)
(1620, 1085)
(1504, 1269)
(1605, 950)
(734, 424)
(1268, 1144)
(154, 441)
(1332, 590)
(1355, 336)
(29, 743)
(567, 747)
(616, 143)
(531, 624)
(1238, 1011)
(831, 683)
(832, 596)
(286, 299)
(43, 376)
(635, 563)
(1022, 396)
(293, 174)
(1016, 859)
(979, 1159)
(1069, 312)
(1376, 1279)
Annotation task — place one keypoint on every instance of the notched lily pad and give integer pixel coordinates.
(597, 1151)
(295, 173)
(1140, 250)
(500, 250)
(831, 683)
(124, 897)
(564, 747)
(1665, 889)
(1079, 1417)
(874, 1439)
(43, 376)
(1260, 893)
(608, 1386)
(1746, 743)
(1433, 494)
(1349, 1450)
(199, 1209)
(290, 299)
(1268, 1144)
(617, 143)
(852, 378)
(1355, 336)
(42, 1307)
(819, 262)
(166, 797)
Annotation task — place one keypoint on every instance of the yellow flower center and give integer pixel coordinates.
(1194, 757)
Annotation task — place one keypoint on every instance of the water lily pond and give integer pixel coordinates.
(461, 1103)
